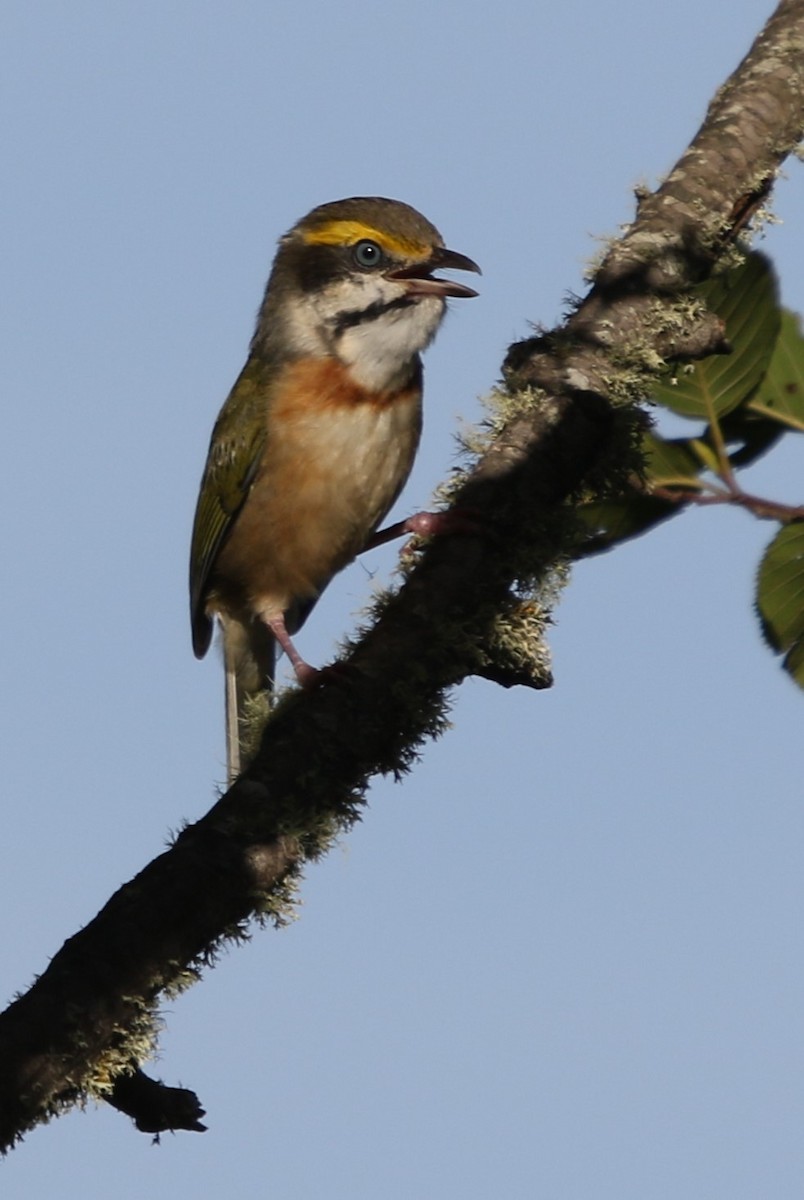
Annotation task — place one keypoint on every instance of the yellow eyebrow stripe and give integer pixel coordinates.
(346, 233)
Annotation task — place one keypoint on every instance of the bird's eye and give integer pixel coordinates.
(367, 254)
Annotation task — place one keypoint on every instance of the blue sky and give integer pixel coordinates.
(563, 958)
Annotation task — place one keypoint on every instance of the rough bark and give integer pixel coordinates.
(88, 1021)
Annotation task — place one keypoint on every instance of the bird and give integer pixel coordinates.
(318, 435)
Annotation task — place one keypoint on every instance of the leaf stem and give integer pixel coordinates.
(767, 510)
(721, 450)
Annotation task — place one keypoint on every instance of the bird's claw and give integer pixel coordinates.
(431, 524)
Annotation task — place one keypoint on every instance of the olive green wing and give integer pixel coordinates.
(235, 452)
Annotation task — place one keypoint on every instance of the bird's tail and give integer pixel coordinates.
(249, 657)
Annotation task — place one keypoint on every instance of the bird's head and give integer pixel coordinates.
(354, 280)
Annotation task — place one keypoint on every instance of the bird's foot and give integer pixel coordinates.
(429, 524)
(307, 677)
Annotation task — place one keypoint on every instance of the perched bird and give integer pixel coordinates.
(318, 434)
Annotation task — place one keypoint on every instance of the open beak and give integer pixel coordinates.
(419, 281)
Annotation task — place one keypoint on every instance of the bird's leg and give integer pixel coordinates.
(423, 524)
(426, 524)
(307, 676)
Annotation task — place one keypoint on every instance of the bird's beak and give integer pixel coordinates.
(418, 280)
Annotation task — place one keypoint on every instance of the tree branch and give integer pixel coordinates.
(570, 394)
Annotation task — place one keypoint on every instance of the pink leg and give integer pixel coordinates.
(307, 676)
(425, 524)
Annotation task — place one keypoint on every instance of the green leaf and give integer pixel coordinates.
(706, 454)
(612, 521)
(670, 460)
(751, 433)
(794, 662)
(746, 300)
(781, 393)
(780, 597)
(668, 463)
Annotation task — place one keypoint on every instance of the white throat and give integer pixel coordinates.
(379, 348)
